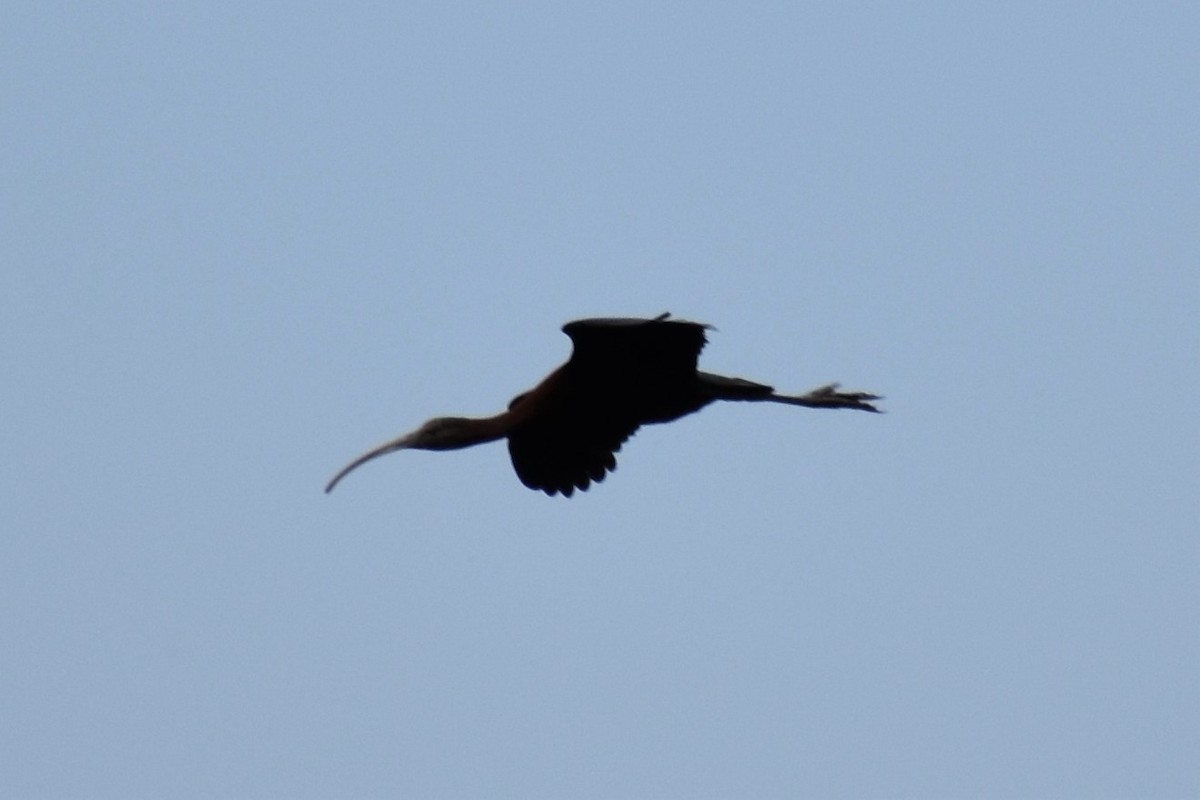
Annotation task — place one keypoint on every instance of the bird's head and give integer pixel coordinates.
(439, 433)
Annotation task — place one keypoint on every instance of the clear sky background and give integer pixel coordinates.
(242, 243)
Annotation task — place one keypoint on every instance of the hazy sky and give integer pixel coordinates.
(242, 243)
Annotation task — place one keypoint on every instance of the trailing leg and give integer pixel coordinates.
(828, 396)
(721, 387)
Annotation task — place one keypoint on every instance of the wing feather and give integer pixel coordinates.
(623, 373)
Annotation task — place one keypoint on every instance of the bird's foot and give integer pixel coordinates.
(828, 396)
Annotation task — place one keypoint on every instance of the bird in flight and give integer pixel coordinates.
(563, 434)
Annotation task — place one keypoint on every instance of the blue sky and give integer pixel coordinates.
(242, 244)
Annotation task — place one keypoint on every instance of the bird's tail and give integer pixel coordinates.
(722, 387)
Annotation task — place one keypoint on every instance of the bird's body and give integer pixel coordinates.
(623, 373)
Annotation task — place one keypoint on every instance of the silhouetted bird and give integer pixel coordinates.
(564, 433)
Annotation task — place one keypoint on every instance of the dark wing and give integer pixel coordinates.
(564, 446)
(623, 373)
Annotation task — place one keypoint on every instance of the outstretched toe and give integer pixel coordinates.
(828, 396)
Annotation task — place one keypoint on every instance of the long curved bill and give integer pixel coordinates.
(382, 450)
